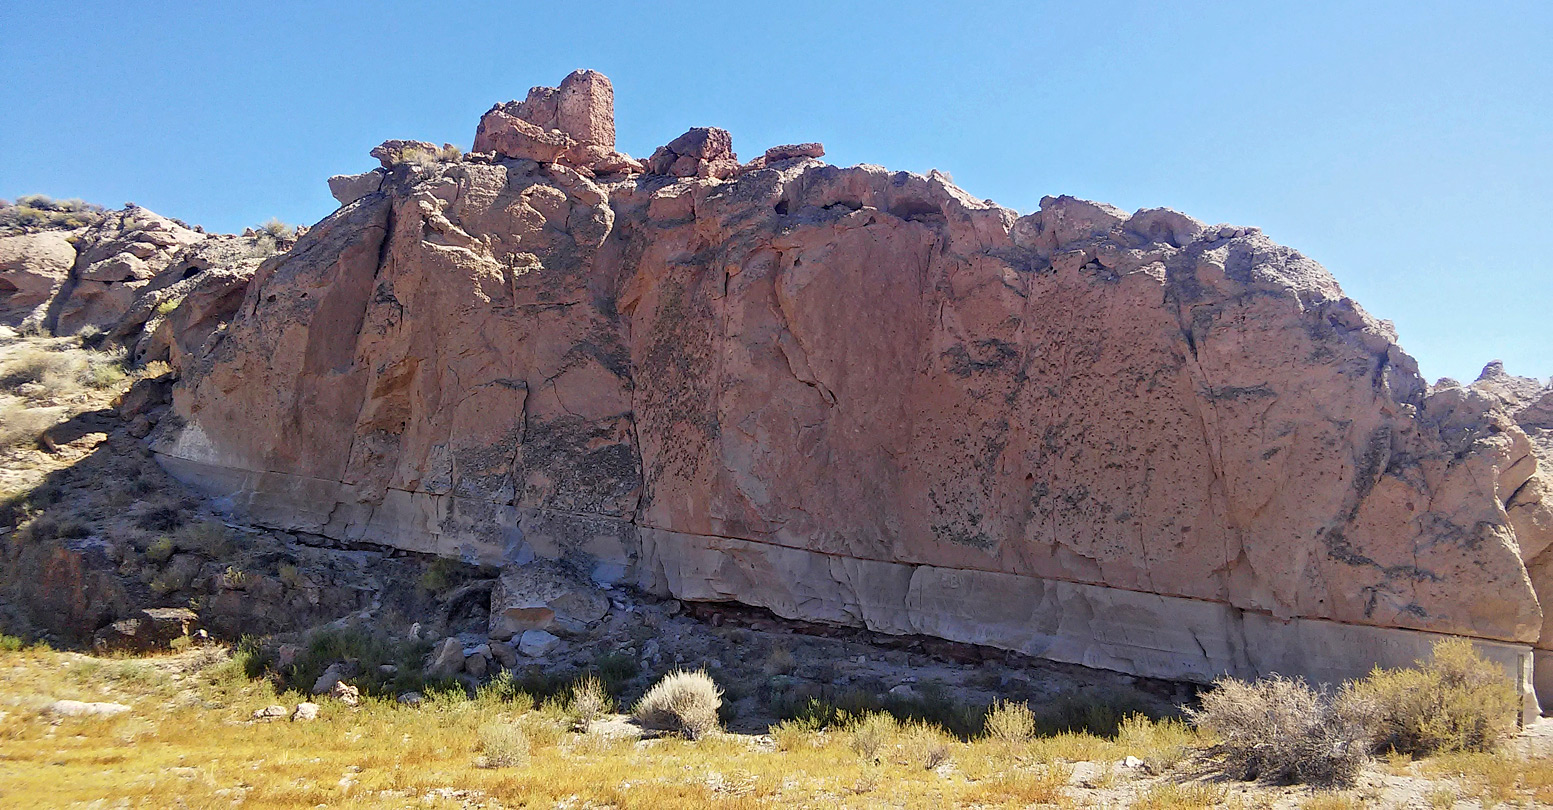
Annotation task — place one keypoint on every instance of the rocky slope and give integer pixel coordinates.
(865, 397)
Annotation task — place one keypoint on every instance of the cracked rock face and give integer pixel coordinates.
(864, 396)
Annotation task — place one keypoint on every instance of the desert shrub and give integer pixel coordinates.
(161, 549)
(264, 245)
(279, 230)
(682, 701)
(869, 733)
(924, 745)
(165, 308)
(1021, 788)
(589, 701)
(789, 735)
(11, 643)
(1010, 722)
(1281, 730)
(370, 650)
(779, 661)
(1456, 701)
(1161, 744)
(441, 575)
(207, 537)
(614, 669)
(39, 212)
(502, 745)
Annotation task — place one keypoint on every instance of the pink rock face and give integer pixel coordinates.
(864, 396)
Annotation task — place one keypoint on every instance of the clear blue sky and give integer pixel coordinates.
(1408, 146)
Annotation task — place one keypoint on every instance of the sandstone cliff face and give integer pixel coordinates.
(864, 396)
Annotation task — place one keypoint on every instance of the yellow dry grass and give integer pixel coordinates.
(190, 740)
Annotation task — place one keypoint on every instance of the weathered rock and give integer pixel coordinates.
(305, 712)
(409, 699)
(1130, 441)
(447, 659)
(537, 598)
(791, 151)
(348, 188)
(345, 693)
(272, 712)
(32, 269)
(329, 679)
(701, 152)
(505, 654)
(76, 708)
(148, 630)
(395, 151)
(536, 643)
(478, 661)
(513, 137)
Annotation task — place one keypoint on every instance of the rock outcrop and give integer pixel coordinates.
(866, 397)
(153, 285)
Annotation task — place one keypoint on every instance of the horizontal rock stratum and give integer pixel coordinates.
(866, 397)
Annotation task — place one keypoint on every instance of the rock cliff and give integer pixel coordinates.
(866, 397)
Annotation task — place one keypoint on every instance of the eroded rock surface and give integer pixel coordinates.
(866, 397)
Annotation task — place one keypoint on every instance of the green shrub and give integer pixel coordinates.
(1099, 713)
(161, 549)
(11, 644)
(1457, 701)
(370, 651)
(682, 701)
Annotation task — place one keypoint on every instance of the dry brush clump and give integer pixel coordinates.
(682, 701)
(1281, 730)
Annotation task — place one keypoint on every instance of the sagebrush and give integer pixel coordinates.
(682, 701)
(1281, 730)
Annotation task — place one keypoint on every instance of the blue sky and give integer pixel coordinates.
(1407, 146)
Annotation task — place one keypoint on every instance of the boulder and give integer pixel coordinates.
(348, 188)
(395, 151)
(148, 630)
(513, 137)
(305, 712)
(538, 598)
(505, 654)
(701, 152)
(32, 269)
(345, 693)
(537, 643)
(447, 659)
(76, 708)
(272, 712)
(785, 152)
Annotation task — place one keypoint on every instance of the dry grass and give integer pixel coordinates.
(1330, 800)
(1180, 796)
(190, 741)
